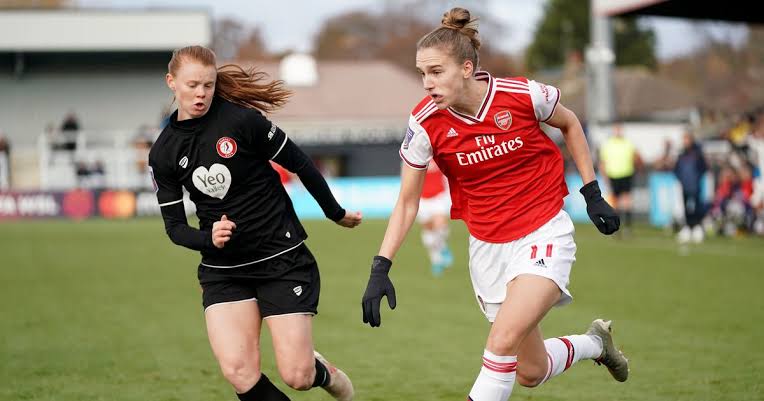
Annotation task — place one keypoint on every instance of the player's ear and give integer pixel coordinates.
(170, 80)
(468, 69)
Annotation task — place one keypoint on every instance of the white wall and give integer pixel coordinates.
(102, 101)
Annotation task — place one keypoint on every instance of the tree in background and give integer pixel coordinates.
(564, 30)
(392, 35)
(233, 40)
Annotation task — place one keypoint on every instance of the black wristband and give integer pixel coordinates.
(591, 191)
(381, 263)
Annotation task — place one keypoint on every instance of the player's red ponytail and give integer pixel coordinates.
(245, 87)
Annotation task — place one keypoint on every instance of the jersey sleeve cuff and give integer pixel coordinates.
(411, 164)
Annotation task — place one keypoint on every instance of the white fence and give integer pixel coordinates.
(84, 159)
(5, 177)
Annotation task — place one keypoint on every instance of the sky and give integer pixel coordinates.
(291, 24)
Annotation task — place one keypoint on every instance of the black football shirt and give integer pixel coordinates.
(223, 160)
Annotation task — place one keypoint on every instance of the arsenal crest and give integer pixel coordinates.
(503, 119)
(226, 147)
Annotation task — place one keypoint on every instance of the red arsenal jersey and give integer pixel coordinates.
(505, 174)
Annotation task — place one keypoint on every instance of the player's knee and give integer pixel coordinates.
(242, 376)
(529, 379)
(503, 341)
(299, 378)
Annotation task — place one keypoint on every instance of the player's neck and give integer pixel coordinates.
(472, 98)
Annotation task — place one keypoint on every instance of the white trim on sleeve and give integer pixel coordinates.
(170, 203)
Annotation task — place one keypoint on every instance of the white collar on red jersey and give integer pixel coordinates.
(484, 106)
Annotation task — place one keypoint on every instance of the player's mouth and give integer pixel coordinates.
(199, 106)
(436, 98)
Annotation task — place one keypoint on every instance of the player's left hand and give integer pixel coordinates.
(600, 212)
(378, 287)
(351, 219)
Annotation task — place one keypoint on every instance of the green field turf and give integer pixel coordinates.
(110, 310)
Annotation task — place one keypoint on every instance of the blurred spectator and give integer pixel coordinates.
(618, 161)
(732, 209)
(665, 162)
(689, 169)
(5, 162)
(756, 145)
(142, 145)
(70, 127)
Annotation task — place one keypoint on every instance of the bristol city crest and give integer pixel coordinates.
(226, 147)
(503, 119)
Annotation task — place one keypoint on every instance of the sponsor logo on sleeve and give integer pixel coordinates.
(409, 137)
(272, 131)
(545, 91)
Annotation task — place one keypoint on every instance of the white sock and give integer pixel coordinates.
(496, 378)
(563, 352)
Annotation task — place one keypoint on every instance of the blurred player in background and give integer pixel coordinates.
(255, 265)
(506, 180)
(618, 162)
(433, 216)
(689, 169)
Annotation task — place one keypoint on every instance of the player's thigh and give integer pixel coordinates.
(233, 329)
(292, 337)
(529, 298)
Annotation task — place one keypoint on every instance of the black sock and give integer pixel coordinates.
(263, 390)
(322, 375)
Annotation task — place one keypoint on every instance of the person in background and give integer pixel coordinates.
(690, 167)
(619, 160)
(433, 216)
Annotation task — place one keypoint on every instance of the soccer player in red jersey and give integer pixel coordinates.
(507, 184)
(434, 205)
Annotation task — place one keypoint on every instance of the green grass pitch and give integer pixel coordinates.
(110, 310)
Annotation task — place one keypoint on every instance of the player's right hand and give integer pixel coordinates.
(221, 231)
(378, 287)
(351, 219)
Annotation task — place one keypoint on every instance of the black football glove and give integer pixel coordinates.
(379, 286)
(601, 213)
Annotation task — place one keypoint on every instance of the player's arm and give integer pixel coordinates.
(600, 212)
(273, 144)
(575, 140)
(416, 152)
(295, 160)
(405, 211)
(170, 197)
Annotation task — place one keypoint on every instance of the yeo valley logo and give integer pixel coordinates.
(214, 182)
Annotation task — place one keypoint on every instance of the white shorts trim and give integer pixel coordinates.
(547, 252)
(255, 261)
(230, 302)
(289, 314)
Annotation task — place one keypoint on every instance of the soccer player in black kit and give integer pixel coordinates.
(255, 265)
